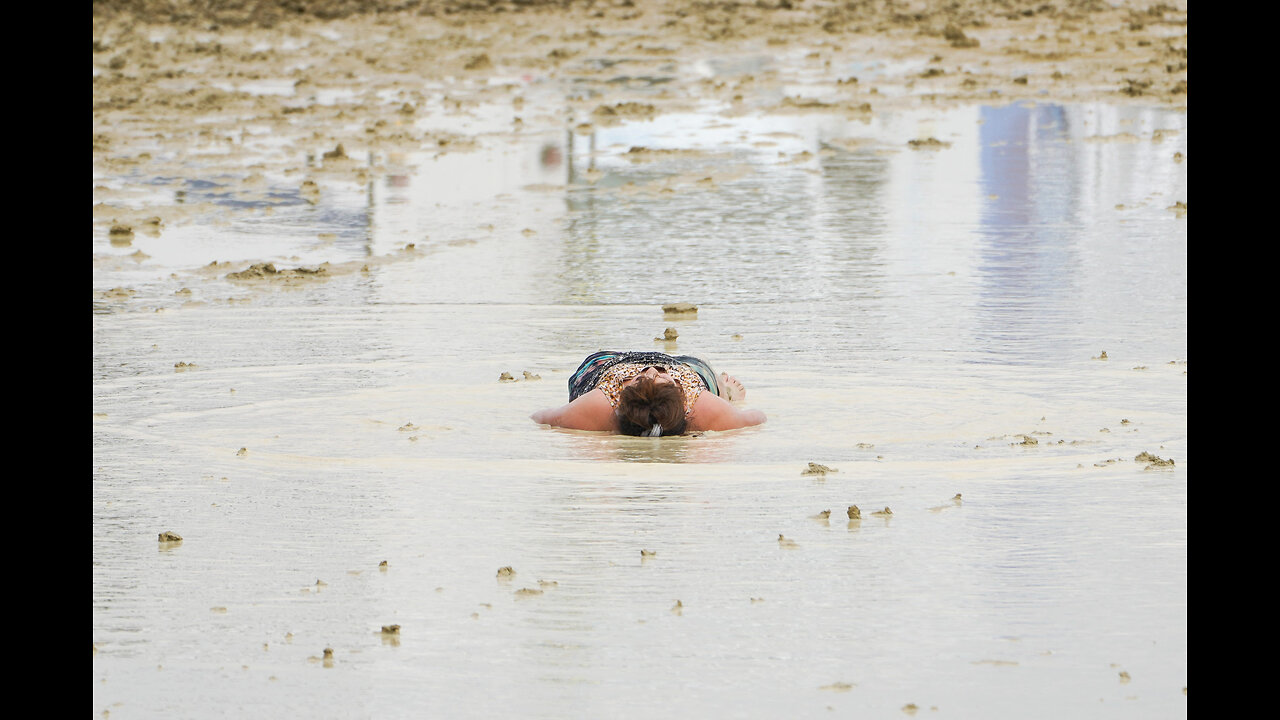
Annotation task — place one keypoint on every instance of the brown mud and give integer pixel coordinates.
(159, 65)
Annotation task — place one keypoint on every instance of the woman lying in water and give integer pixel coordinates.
(650, 394)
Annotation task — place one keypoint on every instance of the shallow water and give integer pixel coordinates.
(906, 316)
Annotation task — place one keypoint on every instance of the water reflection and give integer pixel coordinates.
(851, 209)
(1052, 184)
(702, 448)
(654, 213)
(813, 214)
(1029, 227)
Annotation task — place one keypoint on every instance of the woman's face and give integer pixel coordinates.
(658, 374)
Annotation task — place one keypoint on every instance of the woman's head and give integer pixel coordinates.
(650, 407)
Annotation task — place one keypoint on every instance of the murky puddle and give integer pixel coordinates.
(929, 319)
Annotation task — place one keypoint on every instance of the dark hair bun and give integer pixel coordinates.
(646, 403)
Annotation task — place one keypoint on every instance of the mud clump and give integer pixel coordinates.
(816, 469)
(680, 308)
(929, 143)
(478, 62)
(954, 35)
(804, 103)
(1153, 462)
(627, 109)
(268, 271)
(1135, 87)
(619, 112)
(838, 687)
(668, 335)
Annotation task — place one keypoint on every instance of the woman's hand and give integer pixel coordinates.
(715, 413)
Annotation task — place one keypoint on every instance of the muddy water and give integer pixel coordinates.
(928, 319)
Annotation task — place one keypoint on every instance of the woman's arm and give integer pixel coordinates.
(591, 411)
(714, 413)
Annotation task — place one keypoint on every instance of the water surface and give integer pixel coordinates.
(911, 317)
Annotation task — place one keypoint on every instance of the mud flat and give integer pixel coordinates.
(340, 255)
(188, 89)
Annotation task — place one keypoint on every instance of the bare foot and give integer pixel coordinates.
(731, 389)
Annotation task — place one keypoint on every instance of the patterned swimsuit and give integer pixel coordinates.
(612, 381)
(609, 371)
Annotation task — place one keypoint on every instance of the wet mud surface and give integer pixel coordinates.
(232, 111)
(339, 257)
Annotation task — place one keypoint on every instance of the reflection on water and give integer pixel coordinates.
(914, 318)
(703, 448)
(1029, 264)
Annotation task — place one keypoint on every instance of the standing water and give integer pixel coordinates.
(976, 316)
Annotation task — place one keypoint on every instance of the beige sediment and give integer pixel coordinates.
(817, 469)
(180, 74)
